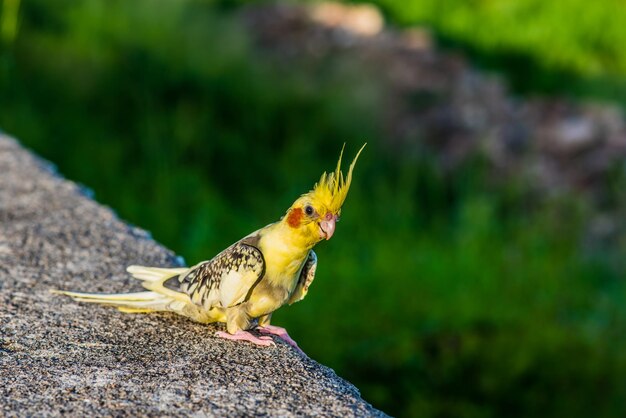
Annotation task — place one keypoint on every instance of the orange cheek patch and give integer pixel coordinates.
(294, 217)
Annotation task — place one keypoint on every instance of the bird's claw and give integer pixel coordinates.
(280, 333)
(263, 340)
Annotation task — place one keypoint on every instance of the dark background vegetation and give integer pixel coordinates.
(440, 295)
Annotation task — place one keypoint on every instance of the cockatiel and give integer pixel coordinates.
(245, 283)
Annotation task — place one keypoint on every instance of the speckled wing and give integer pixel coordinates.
(307, 274)
(226, 280)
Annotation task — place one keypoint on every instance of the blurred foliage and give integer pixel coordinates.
(439, 296)
(572, 47)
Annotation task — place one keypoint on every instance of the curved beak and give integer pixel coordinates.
(327, 226)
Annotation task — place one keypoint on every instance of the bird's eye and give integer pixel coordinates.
(308, 210)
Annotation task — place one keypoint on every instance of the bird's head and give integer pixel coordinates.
(314, 215)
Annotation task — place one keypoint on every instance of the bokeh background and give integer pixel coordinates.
(478, 269)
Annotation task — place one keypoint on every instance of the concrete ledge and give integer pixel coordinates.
(58, 357)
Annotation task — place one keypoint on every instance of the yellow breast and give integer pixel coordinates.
(282, 266)
(283, 261)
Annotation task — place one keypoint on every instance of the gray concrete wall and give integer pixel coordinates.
(58, 357)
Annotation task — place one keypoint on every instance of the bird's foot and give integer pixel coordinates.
(280, 333)
(246, 336)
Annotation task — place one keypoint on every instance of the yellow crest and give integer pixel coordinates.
(332, 188)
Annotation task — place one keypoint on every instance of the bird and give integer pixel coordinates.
(243, 285)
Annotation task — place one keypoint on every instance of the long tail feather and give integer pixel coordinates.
(157, 298)
(126, 302)
(110, 297)
(154, 274)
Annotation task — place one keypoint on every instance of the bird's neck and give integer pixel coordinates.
(294, 241)
(284, 249)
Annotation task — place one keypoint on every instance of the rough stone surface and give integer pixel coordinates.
(58, 357)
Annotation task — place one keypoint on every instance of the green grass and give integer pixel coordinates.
(570, 47)
(441, 295)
